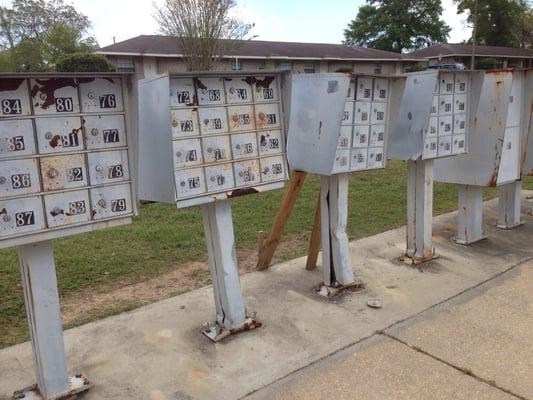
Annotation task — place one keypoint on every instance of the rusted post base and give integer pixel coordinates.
(328, 292)
(419, 212)
(76, 384)
(470, 215)
(509, 204)
(216, 332)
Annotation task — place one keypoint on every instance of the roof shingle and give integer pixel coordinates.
(458, 49)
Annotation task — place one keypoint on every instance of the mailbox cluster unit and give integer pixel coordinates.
(225, 132)
(364, 125)
(64, 160)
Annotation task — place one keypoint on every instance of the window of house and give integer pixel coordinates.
(236, 65)
(284, 65)
(309, 68)
(377, 69)
(125, 65)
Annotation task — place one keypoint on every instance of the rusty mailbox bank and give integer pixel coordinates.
(434, 122)
(205, 138)
(339, 124)
(497, 146)
(65, 168)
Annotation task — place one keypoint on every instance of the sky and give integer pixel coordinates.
(316, 21)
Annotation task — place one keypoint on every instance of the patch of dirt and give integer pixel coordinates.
(181, 279)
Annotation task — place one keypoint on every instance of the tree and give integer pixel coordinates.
(35, 33)
(205, 29)
(397, 25)
(84, 62)
(498, 22)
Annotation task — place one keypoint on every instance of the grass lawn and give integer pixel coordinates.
(162, 239)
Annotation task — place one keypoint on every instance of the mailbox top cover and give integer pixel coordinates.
(317, 108)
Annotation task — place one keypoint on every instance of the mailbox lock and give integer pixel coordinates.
(266, 170)
(232, 90)
(48, 135)
(94, 132)
(178, 154)
(209, 150)
(182, 183)
(235, 118)
(238, 146)
(102, 203)
(98, 168)
(53, 173)
(7, 218)
(90, 95)
(262, 116)
(206, 121)
(212, 179)
(174, 123)
(43, 96)
(2, 180)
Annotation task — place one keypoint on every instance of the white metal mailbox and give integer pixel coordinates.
(219, 127)
(54, 133)
(64, 169)
(360, 141)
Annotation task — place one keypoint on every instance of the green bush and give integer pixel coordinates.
(488, 63)
(84, 62)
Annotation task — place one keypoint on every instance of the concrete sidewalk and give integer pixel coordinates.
(461, 327)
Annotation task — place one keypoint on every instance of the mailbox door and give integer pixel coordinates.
(187, 153)
(244, 145)
(267, 116)
(184, 122)
(216, 149)
(381, 89)
(510, 160)
(459, 144)
(459, 123)
(213, 120)
(210, 91)
(182, 93)
(345, 138)
(358, 161)
(435, 106)
(104, 131)
(446, 104)
(16, 138)
(447, 83)
(18, 177)
(377, 135)
(445, 145)
(21, 216)
(101, 95)
(347, 116)
(111, 201)
(364, 88)
(67, 208)
(514, 112)
(189, 182)
(432, 127)
(55, 96)
(219, 177)
(351, 90)
(379, 113)
(269, 142)
(108, 167)
(241, 118)
(459, 103)
(272, 169)
(376, 157)
(238, 91)
(265, 89)
(461, 82)
(430, 148)
(342, 161)
(14, 98)
(361, 135)
(445, 125)
(59, 135)
(63, 172)
(246, 173)
(362, 112)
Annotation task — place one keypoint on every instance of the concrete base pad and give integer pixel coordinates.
(158, 351)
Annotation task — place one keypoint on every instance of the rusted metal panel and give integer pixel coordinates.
(20, 216)
(108, 167)
(485, 135)
(63, 172)
(67, 208)
(527, 124)
(59, 135)
(19, 177)
(104, 131)
(54, 96)
(16, 138)
(101, 95)
(111, 201)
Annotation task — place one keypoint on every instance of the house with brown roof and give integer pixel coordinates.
(148, 55)
(445, 53)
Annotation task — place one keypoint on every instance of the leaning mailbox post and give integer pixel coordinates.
(339, 124)
(434, 122)
(205, 138)
(65, 169)
(496, 148)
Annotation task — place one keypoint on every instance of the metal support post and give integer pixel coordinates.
(41, 297)
(230, 312)
(509, 205)
(470, 215)
(419, 212)
(336, 265)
